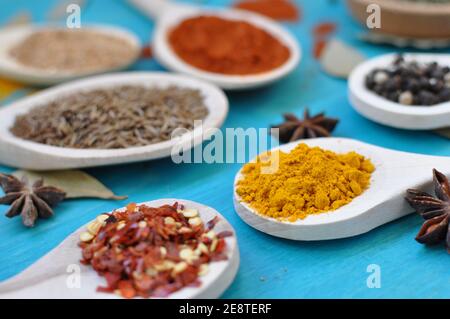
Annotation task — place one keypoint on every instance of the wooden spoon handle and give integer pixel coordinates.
(153, 9)
(56, 263)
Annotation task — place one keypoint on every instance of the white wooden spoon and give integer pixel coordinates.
(26, 154)
(381, 110)
(169, 15)
(381, 203)
(12, 69)
(50, 276)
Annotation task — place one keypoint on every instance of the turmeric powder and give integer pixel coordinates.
(309, 180)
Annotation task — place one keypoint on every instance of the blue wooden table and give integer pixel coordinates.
(270, 267)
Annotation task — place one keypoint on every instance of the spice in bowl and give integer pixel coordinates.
(411, 82)
(112, 118)
(224, 46)
(152, 251)
(309, 180)
(69, 50)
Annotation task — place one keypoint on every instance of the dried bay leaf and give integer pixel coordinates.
(339, 59)
(76, 184)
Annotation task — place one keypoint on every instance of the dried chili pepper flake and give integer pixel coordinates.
(131, 207)
(324, 29)
(220, 246)
(319, 46)
(141, 254)
(147, 52)
(126, 289)
(225, 233)
(210, 225)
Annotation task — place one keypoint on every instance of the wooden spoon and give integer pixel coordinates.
(381, 203)
(25, 154)
(50, 276)
(12, 69)
(169, 15)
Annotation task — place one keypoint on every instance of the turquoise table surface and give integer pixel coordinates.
(270, 267)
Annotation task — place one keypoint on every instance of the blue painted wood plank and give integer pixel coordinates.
(270, 267)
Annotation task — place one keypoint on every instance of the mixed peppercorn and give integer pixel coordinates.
(411, 82)
(151, 252)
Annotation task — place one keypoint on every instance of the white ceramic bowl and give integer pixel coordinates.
(169, 15)
(384, 111)
(12, 69)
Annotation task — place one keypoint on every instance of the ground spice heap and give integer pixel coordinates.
(227, 46)
(308, 181)
(275, 9)
(73, 50)
(118, 117)
(151, 251)
(409, 82)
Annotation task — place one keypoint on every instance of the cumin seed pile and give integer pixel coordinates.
(73, 50)
(113, 118)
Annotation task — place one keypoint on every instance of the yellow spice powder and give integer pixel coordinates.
(307, 181)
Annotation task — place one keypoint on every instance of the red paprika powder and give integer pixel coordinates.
(275, 9)
(226, 46)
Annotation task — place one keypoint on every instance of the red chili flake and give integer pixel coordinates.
(319, 46)
(321, 33)
(225, 233)
(139, 251)
(126, 289)
(212, 223)
(324, 29)
(131, 207)
(220, 246)
(147, 52)
(111, 219)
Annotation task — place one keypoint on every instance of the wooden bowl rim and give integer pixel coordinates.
(409, 7)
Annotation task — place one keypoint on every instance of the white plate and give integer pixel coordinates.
(48, 277)
(25, 154)
(12, 69)
(384, 111)
(381, 203)
(169, 15)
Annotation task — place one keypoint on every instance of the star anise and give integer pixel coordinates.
(28, 201)
(309, 127)
(435, 211)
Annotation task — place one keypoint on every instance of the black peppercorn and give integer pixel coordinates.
(411, 83)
